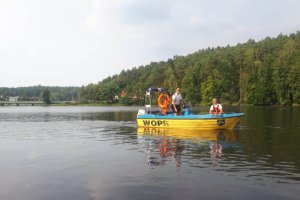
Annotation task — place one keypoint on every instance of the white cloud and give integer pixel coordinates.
(31, 54)
(77, 42)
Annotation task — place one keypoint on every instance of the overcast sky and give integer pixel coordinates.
(77, 42)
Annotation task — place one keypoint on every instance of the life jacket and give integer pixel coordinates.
(164, 102)
(216, 108)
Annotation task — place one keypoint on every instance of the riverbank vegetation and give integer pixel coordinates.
(266, 72)
(35, 93)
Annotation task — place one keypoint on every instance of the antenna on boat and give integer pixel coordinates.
(148, 96)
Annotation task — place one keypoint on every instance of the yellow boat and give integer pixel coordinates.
(148, 118)
(191, 121)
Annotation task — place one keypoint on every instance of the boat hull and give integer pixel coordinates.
(224, 121)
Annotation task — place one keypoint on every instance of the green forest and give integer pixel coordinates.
(266, 72)
(35, 93)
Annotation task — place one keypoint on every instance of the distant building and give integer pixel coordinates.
(116, 97)
(13, 98)
(123, 93)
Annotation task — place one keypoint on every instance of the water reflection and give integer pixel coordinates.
(98, 153)
(110, 116)
(223, 151)
(216, 152)
(164, 146)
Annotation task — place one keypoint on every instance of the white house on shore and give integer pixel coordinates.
(13, 98)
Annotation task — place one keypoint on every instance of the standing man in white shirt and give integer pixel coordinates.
(177, 101)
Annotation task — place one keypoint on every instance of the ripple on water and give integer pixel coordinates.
(80, 145)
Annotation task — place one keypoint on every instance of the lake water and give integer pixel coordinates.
(85, 153)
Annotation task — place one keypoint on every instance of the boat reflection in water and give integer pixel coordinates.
(164, 146)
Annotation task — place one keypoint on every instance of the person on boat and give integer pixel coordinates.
(163, 102)
(216, 108)
(177, 101)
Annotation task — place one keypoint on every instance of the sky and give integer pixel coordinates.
(78, 42)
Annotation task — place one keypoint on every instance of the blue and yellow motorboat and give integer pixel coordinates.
(147, 117)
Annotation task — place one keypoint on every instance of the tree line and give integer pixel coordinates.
(266, 72)
(39, 93)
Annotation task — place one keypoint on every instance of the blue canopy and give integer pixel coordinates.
(154, 89)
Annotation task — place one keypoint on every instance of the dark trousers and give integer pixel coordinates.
(178, 107)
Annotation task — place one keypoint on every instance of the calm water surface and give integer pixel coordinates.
(98, 153)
